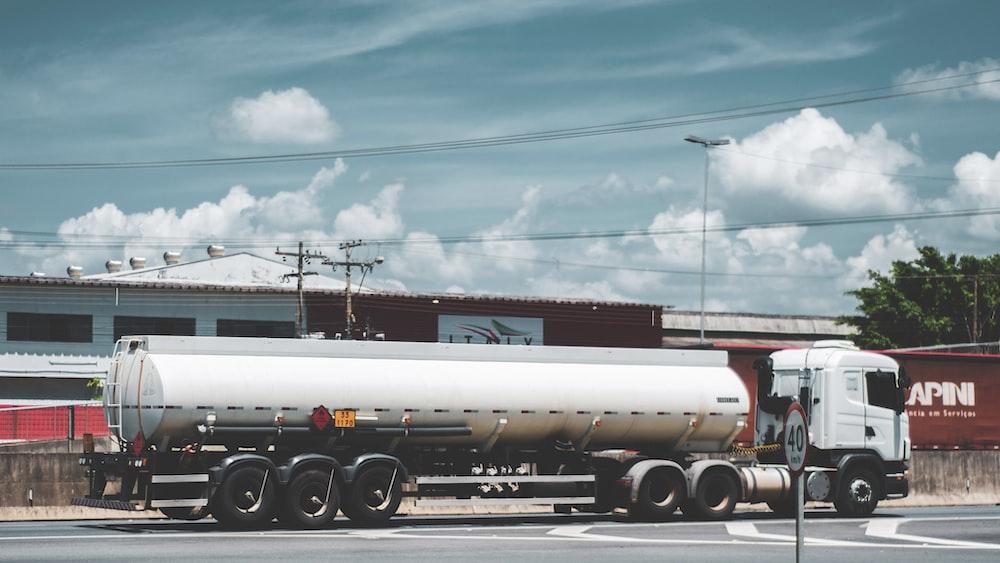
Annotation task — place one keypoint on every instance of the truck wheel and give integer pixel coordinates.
(857, 493)
(189, 513)
(715, 497)
(375, 495)
(311, 500)
(246, 498)
(660, 493)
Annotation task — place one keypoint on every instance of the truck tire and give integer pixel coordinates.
(310, 500)
(857, 493)
(189, 513)
(715, 496)
(660, 493)
(375, 495)
(246, 499)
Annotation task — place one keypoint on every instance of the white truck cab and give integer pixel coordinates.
(859, 440)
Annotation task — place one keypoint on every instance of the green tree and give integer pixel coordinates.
(934, 299)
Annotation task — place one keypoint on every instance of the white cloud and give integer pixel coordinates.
(664, 182)
(772, 168)
(683, 250)
(878, 254)
(941, 78)
(555, 286)
(772, 240)
(612, 188)
(423, 257)
(5, 235)
(377, 219)
(455, 289)
(286, 116)
(291, 215)
(978, 187)
(510, 255)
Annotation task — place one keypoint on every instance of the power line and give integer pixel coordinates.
(106, 241)
(531, 137)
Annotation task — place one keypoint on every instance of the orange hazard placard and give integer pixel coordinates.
(344, 419)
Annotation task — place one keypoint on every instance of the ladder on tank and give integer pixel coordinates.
(112, 396)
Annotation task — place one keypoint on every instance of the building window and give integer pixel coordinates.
(270, 329)
(125, 326)
(37, 327)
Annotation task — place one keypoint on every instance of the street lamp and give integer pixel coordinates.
(707, 143)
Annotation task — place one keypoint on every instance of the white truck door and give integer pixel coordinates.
(848, 403)
(882, 426)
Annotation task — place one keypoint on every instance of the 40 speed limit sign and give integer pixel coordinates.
(796, 439)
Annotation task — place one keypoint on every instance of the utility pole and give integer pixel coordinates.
(347, 264)
(708, 144)
(303, 258)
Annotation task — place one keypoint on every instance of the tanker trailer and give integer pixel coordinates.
(253, 429)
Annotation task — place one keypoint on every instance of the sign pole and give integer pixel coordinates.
(796, 445)
(799, 516)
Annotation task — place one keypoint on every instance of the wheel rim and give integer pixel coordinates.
(662, 492)
(717, 494)
(376, 495)
(860, 491)
(248, 492)
(311, 500)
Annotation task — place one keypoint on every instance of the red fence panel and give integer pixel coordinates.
(35, 423)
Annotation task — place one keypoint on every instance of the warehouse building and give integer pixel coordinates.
(56, 333)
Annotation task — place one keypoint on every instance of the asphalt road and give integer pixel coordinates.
(910, 535)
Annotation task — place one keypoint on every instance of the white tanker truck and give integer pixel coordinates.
(252, 429)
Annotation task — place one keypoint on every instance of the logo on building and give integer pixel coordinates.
(525, 331)
(947, 394)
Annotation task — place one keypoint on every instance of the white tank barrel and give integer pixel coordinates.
(685, 400)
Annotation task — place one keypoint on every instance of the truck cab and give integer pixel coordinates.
(859, 441)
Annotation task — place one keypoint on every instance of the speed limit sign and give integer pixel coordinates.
(796, 439)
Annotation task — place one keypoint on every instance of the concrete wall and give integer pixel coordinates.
(54, 478)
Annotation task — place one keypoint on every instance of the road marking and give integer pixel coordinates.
(888, 529)
(374, 534)
(577, 532)
(749, 530)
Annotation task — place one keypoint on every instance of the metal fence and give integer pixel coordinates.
(59, 422)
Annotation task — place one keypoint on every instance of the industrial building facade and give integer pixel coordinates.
(56, 334)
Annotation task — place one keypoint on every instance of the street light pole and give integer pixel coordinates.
(707, 143)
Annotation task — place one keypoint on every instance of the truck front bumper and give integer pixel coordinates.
(897, 485)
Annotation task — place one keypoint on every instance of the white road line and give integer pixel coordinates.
(373, 534)
(888, 529)
(749, 530)
(571, 531)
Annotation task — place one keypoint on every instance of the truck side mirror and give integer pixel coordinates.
(765, 376)
(903, 383)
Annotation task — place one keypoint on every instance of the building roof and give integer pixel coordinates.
(241, 269)
(55, 366)
(175, 285)
(756, 323)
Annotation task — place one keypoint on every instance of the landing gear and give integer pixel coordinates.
(375, 495)
(247, 498)
(311, 500)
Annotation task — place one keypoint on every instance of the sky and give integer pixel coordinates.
(120, 82)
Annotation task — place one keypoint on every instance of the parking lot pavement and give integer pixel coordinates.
(968, 534)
